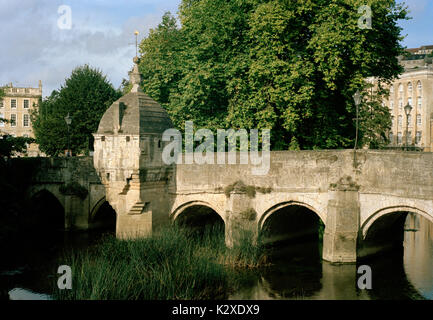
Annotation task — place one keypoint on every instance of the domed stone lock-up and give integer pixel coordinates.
(128, 158)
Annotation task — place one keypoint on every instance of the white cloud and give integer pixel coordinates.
(35, 48)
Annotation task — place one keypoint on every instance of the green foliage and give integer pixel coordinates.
(12, 146)
(292, 66)
(249, 214)
(85, 95)
(243, 188)
(125, 87)
(375, 119)
(172, 264)
(74, 188)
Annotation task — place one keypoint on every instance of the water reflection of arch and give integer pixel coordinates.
(293, 280)
(389, 215)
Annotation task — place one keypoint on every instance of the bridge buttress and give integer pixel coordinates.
(342, 223)
(240, 219)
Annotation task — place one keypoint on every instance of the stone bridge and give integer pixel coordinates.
(361, 201)
(70, 185)
(362, 208)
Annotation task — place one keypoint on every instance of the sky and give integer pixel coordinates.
(37, 44)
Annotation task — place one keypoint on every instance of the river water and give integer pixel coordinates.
(297, 273)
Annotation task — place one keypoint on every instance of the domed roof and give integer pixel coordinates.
(135, 113)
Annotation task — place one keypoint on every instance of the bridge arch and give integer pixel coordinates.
(283, 205)
(53, 189)
(181, 208)
(290, 221)
(197, 215)
(103, 216)
(45, 210)
(387, 213)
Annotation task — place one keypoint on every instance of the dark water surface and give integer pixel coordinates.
(298, 272)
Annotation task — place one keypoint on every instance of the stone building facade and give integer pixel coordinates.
(128, 159)
(414, 87)
(16, 107)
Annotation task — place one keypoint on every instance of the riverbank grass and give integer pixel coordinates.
(172, 264)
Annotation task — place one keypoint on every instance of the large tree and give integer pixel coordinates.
(85, 95)
(292, 66)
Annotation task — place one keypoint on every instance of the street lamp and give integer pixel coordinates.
(407, 110)
(68, 121)
(357, 98)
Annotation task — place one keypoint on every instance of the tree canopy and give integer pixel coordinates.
(85, 96)
(291, 66)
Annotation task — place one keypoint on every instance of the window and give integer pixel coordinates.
(409, 100)
(418, 137)
(26, 104)
(418, 119)
(391, 90)
(2, 124)
(419, 103)
(409, 137)
(409, 120)
(419, 85)
(400, 121)
(399, 138)
(26, 120)
(400, 89)
(13, 103)
(13, 120)
(14, 90)
(400, 105)
(393, 120)
(391, 137)
(409, 88)
(27, 90)
(392, 105)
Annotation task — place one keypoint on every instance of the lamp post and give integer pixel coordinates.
(357, 99)
(68, 121)
(407, 110)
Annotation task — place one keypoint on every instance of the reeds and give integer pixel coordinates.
(172, 264)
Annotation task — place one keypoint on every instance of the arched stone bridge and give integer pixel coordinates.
(362, 208)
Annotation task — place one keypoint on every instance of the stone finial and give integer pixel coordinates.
(135, 77)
